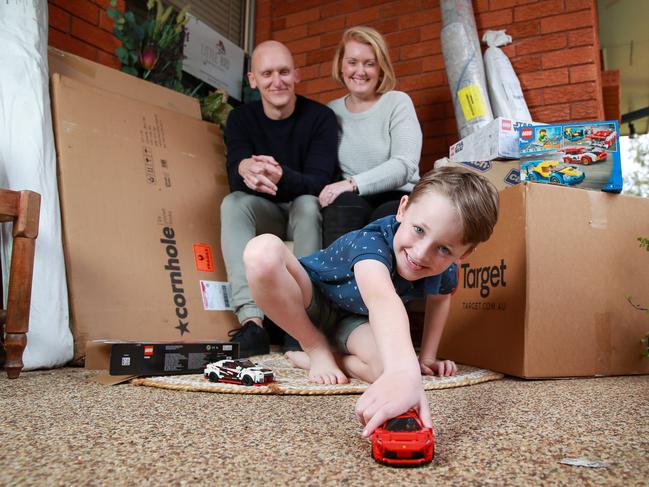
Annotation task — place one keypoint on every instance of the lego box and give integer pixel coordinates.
(546, 296)
(496, 140)
(585, 155)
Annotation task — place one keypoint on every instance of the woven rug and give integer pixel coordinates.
(291, 380)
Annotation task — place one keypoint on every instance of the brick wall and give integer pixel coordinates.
(83, 28)
(555, 52)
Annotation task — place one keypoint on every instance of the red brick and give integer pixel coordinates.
(480, 6)
(93, 35)
(70, 44)
(58, 18)
(566, 22)
(321, 55)
(420, 18)
(319, 85)
(362, 17)
(331, 38)
(300, 59)
(433, 62)
(526, 64)
(326, 25)
(291, 34)
(570, 93)
(83, 9)
(540, 79)
(408, 67)
(578, 55)
(275, 24)
(310, 72)
(578, 5)
(331, 9)
(533, 98)
(304, 45)
(433, 96)
(105, 22)
(325, 68)
(538, 10)
(421, 81)
(550, 42)
(520, 30)
(498, 18)
(287, 7)
(586, 110)
(401, 7)
(498, 4)
(432, 31)
(582, 37)
(108, 59)
(508, 50)
(386, 26)
(587, 72)
(416, 50)
(444, 126)
(303, 17)
(401, 38)
(264, 25)
(263, 8)
(551, 113)
(369, 3)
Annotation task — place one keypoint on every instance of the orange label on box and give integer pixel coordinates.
(203, 258)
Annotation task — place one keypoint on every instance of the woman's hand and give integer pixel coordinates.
(331, 191)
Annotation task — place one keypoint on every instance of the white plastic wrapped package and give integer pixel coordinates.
(505, 92)
(464, 66)
(28, 162)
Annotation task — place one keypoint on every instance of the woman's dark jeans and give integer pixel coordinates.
(351, 211)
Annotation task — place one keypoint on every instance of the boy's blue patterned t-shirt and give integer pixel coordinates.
(332, 269)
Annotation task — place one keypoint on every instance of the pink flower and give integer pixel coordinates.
(149, 58)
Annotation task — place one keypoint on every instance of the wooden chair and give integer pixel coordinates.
(23, 209)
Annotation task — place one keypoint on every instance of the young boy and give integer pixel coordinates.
(351, 295)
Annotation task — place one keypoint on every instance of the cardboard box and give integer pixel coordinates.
(496, 140)
(584, 155)
(155, 358)
(503, 174)
(115, 81)
(545, 296)
(140, 190)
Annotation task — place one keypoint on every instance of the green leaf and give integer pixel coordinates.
(130, 17)
(129, 70)
(122, 54)
(113, 13)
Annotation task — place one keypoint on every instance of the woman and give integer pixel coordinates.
(380, 141)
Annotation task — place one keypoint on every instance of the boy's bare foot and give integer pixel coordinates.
(299, 359)
(323, 368)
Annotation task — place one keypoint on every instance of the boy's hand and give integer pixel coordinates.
(393, 393)
(432, 366)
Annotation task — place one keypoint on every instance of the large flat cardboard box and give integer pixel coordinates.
(546, 295)
(503, 174)
(140, 189)
(116, 81)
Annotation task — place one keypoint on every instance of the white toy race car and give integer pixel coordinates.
(238, 372)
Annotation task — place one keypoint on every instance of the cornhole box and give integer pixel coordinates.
(115, 81)
(502, 174)
(546, 295)
(140, 189)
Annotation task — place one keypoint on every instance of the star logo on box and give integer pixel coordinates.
(148, 350)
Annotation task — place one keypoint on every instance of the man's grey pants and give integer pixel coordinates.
(244, 216)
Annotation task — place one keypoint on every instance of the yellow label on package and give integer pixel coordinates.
(471, 101)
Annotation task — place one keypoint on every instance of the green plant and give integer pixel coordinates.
(644, 243)
(152, 49)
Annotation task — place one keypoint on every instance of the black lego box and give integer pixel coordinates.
(167, 358)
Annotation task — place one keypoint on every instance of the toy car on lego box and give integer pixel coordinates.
(242, 372)
(403, 441)
(548, 154)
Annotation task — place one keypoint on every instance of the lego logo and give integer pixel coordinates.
(527, 133)
(148, 350)
(506, 124)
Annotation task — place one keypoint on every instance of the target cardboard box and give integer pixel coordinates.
(140, 189)
(546, 295)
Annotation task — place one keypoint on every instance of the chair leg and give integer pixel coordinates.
(18, 303)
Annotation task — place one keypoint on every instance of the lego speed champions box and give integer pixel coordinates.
(585, 155)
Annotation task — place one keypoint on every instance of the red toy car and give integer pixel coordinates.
(403, 441)
(603, 138)
(583, 155)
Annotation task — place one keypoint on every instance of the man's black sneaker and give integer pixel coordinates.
(290, 344)
(252, 339)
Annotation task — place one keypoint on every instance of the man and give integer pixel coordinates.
(282, 151)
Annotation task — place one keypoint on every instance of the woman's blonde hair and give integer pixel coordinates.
(371, 37)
